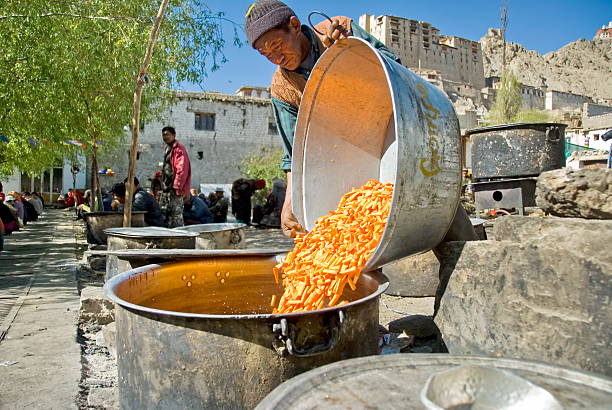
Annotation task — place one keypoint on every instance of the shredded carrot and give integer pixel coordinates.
(332, 255)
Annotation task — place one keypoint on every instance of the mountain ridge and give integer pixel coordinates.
(581, 67)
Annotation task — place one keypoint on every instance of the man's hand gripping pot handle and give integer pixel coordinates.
(335, 32)
(289, 222)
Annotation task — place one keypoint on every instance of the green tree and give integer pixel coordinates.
(508, 100)
(533, 116)
(263, 165)
(68, 70)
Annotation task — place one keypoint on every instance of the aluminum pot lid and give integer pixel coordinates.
(149, 232)
(350, 382)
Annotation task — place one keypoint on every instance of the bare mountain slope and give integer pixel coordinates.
(582, 67)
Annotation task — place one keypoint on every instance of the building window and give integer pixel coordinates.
(272, 129)
(596, 137)
(200, 154)
(204, 121)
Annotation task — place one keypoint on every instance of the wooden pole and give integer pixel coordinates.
(129, 186)
(95, 181)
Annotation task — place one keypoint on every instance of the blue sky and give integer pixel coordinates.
(543, 26)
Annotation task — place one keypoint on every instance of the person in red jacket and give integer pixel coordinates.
(176, 176)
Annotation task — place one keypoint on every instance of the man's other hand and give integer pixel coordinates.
(289, 222)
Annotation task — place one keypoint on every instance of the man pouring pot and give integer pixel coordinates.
(275, 31)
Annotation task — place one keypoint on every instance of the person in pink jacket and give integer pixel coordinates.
(176, 176)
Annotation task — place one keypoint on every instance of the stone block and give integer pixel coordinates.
(585, 236)
(583, 193)
(95, 308)
(414, 276)
(96, 262)
(110, 338)
(415, 325)
(541, 301)
(103, 398)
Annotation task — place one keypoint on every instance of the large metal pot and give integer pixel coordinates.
(218, 236)
(517, 150)
(398, 381)
(97, 222)
(151, 237)
(200, 334)
(364, 116)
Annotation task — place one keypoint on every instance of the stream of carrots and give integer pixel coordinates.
(331, 256)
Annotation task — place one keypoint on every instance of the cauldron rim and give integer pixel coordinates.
(513, 125)
(212, 227)
(111, 285)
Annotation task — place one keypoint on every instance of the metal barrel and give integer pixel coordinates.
(364, 116)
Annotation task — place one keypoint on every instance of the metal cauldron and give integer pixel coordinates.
(517, 150)
(400, 381)
(218, 236)
(200, 333)
(151, 237)
(364, 116)
(97, 222)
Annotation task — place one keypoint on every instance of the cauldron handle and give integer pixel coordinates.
(287, 337)
(345, 32)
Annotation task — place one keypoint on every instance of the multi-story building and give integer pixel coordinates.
(420, 46)
(604, 32)
(218, 130)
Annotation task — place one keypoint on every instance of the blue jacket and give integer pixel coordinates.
(199, 211)
(144, 201)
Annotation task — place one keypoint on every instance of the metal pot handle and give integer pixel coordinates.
(344, 31)
(553, 134)
(286, 336)
(236, 237)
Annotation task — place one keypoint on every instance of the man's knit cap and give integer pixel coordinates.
(264, 15)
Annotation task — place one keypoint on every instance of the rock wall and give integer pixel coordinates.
(541, 293)
(584, 193)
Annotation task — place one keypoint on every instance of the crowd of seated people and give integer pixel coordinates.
(17, 210)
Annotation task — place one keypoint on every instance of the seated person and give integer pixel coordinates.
(37, 202)
(31, 215)
(274, 204)
(219, 205)
(195, 211)
(142, 201)
(1, 236)
(8, 216)
(107, 200)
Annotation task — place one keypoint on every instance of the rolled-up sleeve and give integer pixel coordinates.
(285, 116)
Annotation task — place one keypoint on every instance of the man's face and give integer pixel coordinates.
(168, 137)
(219, 194)
(283, 46)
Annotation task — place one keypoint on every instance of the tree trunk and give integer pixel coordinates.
(129, 186)
(95, 182)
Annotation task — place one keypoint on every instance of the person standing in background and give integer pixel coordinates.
(242, 191)
(176, 176)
